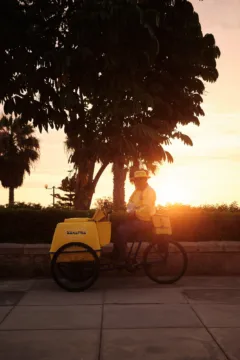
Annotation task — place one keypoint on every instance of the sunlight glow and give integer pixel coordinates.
(172, 190)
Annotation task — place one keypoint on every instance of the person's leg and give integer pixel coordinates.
(125, 233)
(144, 226)
(120, 241)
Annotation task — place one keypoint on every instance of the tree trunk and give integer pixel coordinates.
(11, 196)
(81, 201)
(85, 189)
(119, 177)
(135, 166)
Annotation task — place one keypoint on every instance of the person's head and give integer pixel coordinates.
(140, 179)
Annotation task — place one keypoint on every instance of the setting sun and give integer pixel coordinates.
(172, 194)
(171, 190)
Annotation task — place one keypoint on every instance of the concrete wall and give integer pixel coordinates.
(205, 258)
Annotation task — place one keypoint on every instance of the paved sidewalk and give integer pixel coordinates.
(121, 319)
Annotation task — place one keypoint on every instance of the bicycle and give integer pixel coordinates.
(78, 256)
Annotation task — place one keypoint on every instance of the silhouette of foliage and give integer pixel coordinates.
(120, 77)
(19, 150)
(66, 199)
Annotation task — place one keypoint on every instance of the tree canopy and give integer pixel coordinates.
(120, 76)
(122, 56)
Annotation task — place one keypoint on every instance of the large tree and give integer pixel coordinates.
(174, 86)
(76, 43)
(120, 76)
(19, 149)
(142, 112)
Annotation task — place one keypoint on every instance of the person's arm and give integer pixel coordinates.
(148, 204)
(130, 201)
(131, 206)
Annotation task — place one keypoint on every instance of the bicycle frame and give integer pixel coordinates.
(131, 258)
(136, 251)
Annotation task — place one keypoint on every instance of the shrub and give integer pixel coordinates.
(105, 201)
(37, 226)
(32, 226)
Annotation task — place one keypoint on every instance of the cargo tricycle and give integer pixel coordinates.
(81, 247)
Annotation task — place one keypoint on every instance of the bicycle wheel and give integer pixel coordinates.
(75, 267)
(165, 265)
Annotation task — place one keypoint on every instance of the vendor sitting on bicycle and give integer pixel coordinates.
(140, 208)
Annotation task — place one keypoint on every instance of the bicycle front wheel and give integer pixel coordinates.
(75, 267)
(165, 264)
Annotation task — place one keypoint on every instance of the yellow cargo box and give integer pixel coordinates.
(104, 232)
(77, 219)
(162, 225)
(95, 234)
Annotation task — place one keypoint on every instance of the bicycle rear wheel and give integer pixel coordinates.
(165, 264)
(75, 267)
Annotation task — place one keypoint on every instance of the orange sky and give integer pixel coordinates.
(208, 172)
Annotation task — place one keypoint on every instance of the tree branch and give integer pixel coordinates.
(99, 173)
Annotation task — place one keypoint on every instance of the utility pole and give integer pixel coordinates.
(53, 193)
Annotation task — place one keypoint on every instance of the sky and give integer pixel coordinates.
(208, 172)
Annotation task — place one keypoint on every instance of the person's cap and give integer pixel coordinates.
(140, 174)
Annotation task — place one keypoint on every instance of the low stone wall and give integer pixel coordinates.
(204, 258)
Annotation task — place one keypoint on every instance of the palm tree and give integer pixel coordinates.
(119, 170)
(19, 149)
(136, 146)
(85, 157)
